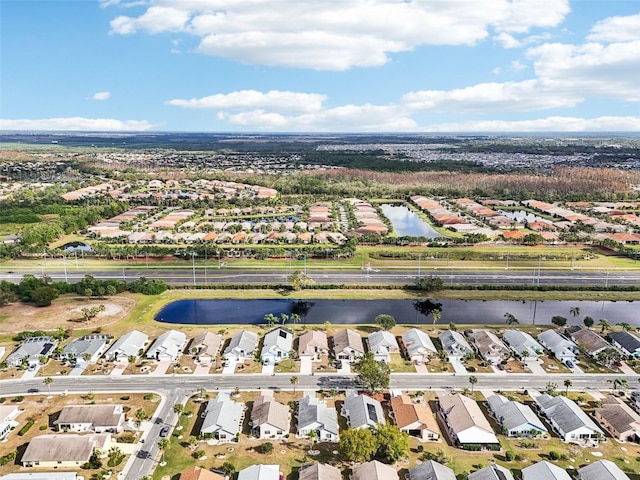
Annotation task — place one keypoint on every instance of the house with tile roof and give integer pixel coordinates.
(347, 345)
(199, 473)
(588, 339)
(415, 419)
(465, 422)
(314, 415)
(206, 346)
(489, 346)
(516, 419)
(544, 471)
(64, 451)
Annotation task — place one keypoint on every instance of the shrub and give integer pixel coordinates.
(509, 456)
(26, 428)
(266, 447)
(553, 455)
(43, 427)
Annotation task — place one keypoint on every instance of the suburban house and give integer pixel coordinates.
(544, 471)
(454, 344)
(8, 414)
(242, 346)
(571, 423)
(382, 343)
(415, 419)
(199, 473)
(362, 411)
(347, 345)
(269, 419)
(222, 418)
(130, 344)
(619, 419)
(319, 471)
(41, 476)
(94, 418)
(260, 472)
(374, 470)
(313, 344)
(431, 470)
(588, 339)
(492, 472)
(521, 343)
(419, 346)
(315, 415)
(517, 419)
(465, 421)
(90, 347)
(626, 342)
(277, 346)
(31, 350)
(168, 346)
(206, 346)
(490, 347)
(562, 348)
(64, 451)
(602, 470)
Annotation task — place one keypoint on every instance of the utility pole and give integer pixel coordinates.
(64, 262)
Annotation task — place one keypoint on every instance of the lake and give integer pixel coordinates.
(522, 215)
(407, 223)
(319, 311)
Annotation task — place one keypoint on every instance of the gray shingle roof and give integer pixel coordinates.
(492, 472)
(418, 343)
(514, 414)
(224, 414)
(280, 339)
(362, 411)
(454, 343)
(312, 410)
(567, 415)
(630, 343)
(589, 340)
(242, 343)
(431, 470)
(602, 470)
(544, 471)
(520, 341)
(556, 343)
(489, 345)
(128, 344)
(382, 342)
(87, 344)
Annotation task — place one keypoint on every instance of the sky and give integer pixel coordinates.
(320, 65)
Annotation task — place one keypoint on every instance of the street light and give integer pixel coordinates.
(64, 262)
(193, 260)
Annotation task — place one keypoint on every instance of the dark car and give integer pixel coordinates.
(569, 364)
(164, 431)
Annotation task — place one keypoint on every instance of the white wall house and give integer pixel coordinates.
(277, 346)
(168, 346)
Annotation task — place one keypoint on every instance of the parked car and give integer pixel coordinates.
(164, 431)
(569, 364)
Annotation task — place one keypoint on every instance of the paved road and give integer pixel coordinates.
(200, 275)
(177, 388)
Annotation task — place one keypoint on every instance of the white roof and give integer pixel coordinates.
(169, 343)
(260, 472)
(417, 342)
(544, 471)
(382, 342)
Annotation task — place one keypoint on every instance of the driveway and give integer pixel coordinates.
(457, 365)
(268, 369)
(118, 368)
(30, 373)
(306, 365)
(202, 368)
(422, 368)
(626, 369)
(78, 369)
(345, 369)
(161, 368)
(535, 367)
(230, 366)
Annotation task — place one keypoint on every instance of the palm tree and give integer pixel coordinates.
(295, 318)
(48, 381)
(473, 380)
(575, 311)
(294, 381)
(604, 324)
(511, 319)
(284, 318)
(271, 319)
(567, 384)
(313, 437)
(625, 326)
(163, 444)
(140, 415)
(435, 316)
(620, 383)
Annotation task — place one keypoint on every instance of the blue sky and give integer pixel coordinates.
(321, 66)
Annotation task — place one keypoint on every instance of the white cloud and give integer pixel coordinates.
(488, 97)
(616, 29)
(517, 65)
(76, 124)
(507, 40)
(334, 34)
(282, 101)
(121, 3)
(101, 96)
(549, 124)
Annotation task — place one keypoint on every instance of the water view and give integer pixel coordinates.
(522, 215)
(406, 222)
(319, 311)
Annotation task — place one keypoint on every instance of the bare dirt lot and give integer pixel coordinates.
(65, 312)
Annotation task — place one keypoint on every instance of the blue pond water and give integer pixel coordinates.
(406, 222)
(318, 311)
